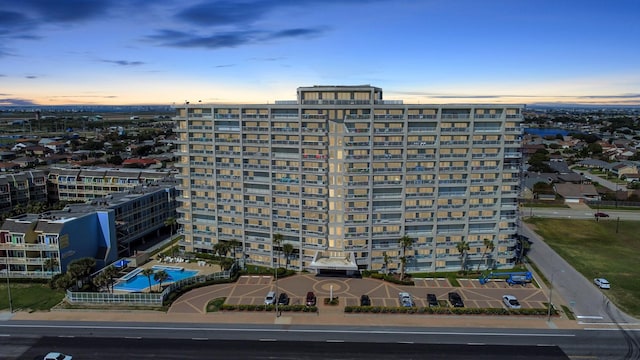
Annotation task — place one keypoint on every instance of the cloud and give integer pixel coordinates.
(15, 102)
(291, 33)
(124, 62)
(229, 39)
(30, 76)
(64, 11)
(224, 65)
(217, 13)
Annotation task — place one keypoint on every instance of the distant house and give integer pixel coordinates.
(141, 163)
(25, 161)
(8, 166)
(624, 169)
(577, 193)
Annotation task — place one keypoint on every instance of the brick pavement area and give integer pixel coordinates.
(191, 307)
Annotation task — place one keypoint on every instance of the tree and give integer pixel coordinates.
(385, 258)
(50, 264)
(160, 276)
(101, 281)
(80, 269)
(462, 248)
(221, 248)
(288, 251)
(148, 272)
(115, 160)
(404, 242)
(488, 247)
(171, 223)
(110, 273)
(233, 245)
(276, 241)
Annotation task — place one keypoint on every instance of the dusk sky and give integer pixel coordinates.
(55, 52)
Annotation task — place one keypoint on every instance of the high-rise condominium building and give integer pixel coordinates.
(342, 175)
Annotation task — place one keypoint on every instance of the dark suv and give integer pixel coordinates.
(311, 299)
(365, 301)
(455, 299)
(432, 300)
(283, 299)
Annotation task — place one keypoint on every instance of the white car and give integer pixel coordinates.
(602, 283)
(511, 302)
(405, 299)
(57, 356)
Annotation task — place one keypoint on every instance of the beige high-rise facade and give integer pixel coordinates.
(342, 175)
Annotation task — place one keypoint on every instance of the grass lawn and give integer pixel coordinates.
(26, 297)
(595, 249)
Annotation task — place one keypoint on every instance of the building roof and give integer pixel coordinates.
(572, 191)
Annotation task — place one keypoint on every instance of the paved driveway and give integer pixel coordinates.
(252, 290)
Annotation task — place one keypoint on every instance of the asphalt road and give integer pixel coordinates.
(114, 348)
(567, 213)
(104, 340)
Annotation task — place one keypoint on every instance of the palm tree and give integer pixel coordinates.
(233, 245)
(171, 222)
(101, 281)
(288, 251)
(462, 248)
(385, 258)
(221, 248)
(148, 272)
(405, 242)
(110, 273)
(50, 264)
(488, 247)
(276, 242)
(160, 276)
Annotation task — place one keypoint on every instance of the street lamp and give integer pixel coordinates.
(277, 292)
(553, 274)
(6, 259)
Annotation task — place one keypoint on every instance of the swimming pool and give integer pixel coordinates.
(138, 282)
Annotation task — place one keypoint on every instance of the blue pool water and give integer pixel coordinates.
(140, 282)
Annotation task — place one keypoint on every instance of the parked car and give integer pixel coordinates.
(270, 299)
(511, 302)
(365, 300)
(602, 283)
(311, 299)
(601, 214)
(283, 299)
(455, 299)
(405, 299)
(57, 356)
(432, 300)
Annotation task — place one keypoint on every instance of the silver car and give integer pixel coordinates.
(511, 302)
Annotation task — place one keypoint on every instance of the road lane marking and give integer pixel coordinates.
(133, 337)
(200, 339)
(474, 344)
(589, 317)
(335, 341)
(267, 340)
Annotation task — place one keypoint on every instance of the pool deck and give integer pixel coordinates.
(202, 270)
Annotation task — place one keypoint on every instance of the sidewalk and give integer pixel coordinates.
(327, 315)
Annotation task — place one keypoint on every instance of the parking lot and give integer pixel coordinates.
(252, 290)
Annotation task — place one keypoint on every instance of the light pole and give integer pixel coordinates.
(553, 274)
(6, 259)
(277, 294)
(550, 293)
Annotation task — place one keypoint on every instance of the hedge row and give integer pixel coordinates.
(292, 308)
(445, 310)
(386, 277)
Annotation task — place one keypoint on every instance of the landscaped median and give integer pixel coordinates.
(219, 305)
